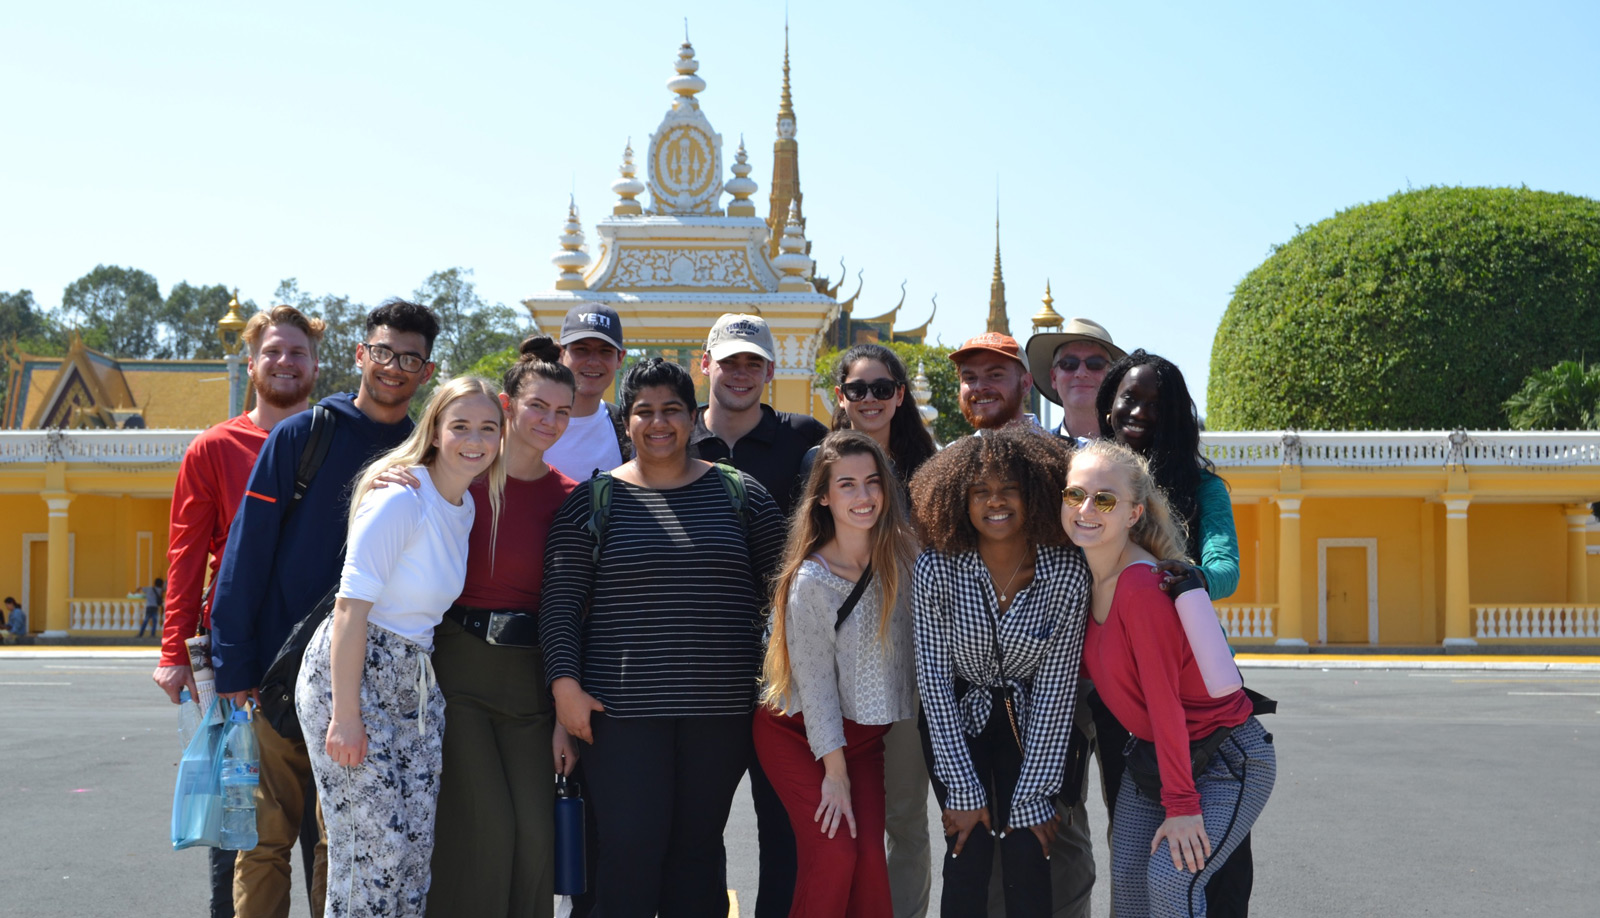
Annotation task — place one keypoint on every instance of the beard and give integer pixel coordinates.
(995, 416)
(278, 398)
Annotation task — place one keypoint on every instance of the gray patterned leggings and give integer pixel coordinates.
(380, 813)
(1233, 791)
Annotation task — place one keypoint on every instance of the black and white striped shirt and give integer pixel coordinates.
(1041, 639)
(670, 623)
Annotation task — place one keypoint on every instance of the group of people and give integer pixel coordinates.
(656, 598)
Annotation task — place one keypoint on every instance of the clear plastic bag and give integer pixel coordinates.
(197, 798)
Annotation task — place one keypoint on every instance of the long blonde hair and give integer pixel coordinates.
(1159, 531)
(418, 449)
(894, 549)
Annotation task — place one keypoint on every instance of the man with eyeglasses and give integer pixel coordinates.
(284, 553)
(1068, 367)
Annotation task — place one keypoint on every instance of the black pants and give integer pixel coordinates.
(1228, 891)
(1024, 865)
(775, 834)
(661, 789)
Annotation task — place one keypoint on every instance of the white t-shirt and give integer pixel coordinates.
(407, 555)
(590, 443)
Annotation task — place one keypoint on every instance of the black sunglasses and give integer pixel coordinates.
(1069, 363)
(882, 389)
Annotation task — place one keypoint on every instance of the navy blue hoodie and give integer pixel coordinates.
(275, 570)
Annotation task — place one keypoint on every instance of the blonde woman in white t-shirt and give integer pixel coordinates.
(372, 714)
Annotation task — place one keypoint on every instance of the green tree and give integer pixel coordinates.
(117, 310)
(1423, 311)
(942, 380)
(347, 327)
(469, 328)
(189, 317)
(1564, 397)
(29, 329)
(493, 366)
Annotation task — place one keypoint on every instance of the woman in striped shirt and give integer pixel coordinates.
(656, 582)
(1000, 602)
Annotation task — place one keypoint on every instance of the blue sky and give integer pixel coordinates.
(1148, 155)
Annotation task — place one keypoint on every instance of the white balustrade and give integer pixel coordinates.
(106, 447)
(1247, 621)
(1537, 621)
(1415, 449)
(105, 614)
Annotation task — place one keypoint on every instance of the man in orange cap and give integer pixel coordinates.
(993, 370)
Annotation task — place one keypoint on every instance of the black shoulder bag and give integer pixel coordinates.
(277, 685)
(854, 597)
(1144, 769)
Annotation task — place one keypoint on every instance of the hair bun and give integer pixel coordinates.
(541, 347)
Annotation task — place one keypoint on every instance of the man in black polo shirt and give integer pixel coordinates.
(768, 445)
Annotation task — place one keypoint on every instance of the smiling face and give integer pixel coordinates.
(995, 509)
(872, 414)
(389, 384)
(594, 362)
(1134, 414)
(737, 380)
(1077, 387)
(660, 423)
(855, 492)
(992, 389)
(467, 437)
(283, 368)
(1086, 524)
(540, 414)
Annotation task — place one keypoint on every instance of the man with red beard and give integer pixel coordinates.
(211, 483)
(993, 370)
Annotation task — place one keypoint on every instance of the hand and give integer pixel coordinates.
(961, 823)
(239, 698)
(573, 707)
(347, 741)
(835, 803)
(1175, 570)
(173, 679)
(1186, 837)
(564, 750)
(398, 476)
(1045, 832)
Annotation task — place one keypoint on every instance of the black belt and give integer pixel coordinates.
(507, 628)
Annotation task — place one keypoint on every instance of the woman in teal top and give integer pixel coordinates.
(1144, 404)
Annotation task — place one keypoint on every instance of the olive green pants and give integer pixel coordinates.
(494, 835)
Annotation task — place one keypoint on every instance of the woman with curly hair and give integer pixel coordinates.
(1000, 603)
(840, 670)
(1216, 764)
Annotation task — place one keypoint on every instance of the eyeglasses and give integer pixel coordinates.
(383, 355)
(1069, 363)
(882, 389)
(1104, 501)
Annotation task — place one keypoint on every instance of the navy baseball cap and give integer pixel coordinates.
(592, 320)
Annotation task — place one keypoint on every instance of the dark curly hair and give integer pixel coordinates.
(1036, 461)
(1174, 454)
(910, 445)
(540, 357)
(656, 371)
(405, 316)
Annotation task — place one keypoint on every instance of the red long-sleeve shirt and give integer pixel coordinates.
(211, 483)
(1142, 667)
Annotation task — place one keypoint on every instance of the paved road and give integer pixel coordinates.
(1400, 793)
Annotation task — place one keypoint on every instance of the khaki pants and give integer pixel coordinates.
(905, 780)
(261, 878)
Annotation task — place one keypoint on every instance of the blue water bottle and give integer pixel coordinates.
(241, 773)
(570, 868)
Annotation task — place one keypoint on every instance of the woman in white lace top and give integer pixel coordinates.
(840, 669)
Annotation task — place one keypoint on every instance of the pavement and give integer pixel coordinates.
(1403, 790)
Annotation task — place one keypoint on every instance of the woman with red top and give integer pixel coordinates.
(1142, 666)
(494, 834)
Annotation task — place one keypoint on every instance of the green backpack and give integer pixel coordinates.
(600, 503)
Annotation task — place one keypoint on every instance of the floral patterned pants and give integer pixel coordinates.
(380, 813)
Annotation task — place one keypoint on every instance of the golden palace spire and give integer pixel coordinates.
(785, 193)
(997, 288)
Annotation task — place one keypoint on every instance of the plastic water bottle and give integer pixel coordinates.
(1206, 640)
(241, 772)
(571, 877)
(189, 717)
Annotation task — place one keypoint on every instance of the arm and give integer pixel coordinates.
(1156, 638)
(247, 561)
(812, 644)
(564, 595)
(1219, 541)
(347, 736)
(1052, 697)
(767, 533)
(193, 522)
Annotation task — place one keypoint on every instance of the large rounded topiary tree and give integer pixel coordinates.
(1427, 310)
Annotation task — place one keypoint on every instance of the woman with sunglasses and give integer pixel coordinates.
(1000, 604)
(1145, 672)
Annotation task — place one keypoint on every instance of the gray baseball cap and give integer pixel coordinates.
(592, 320)
(741, 334)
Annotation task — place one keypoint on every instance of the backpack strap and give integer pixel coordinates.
(600, 484)
(733, 483)
(312, 454)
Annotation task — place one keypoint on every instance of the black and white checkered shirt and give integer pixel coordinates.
(1041, 640)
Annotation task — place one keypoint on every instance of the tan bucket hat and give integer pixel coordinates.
(1042, 351)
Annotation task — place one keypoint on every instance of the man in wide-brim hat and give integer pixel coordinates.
(1068, 367)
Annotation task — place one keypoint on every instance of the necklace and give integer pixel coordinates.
(1003, 590)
